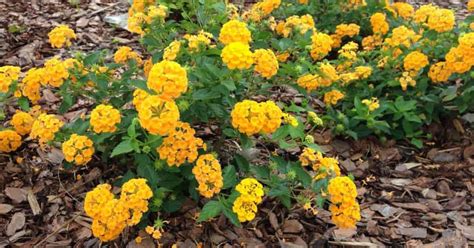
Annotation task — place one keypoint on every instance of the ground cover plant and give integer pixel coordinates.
(380, 69)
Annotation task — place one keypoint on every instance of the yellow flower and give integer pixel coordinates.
(302, 24)
(272, 115)
(235, 31)
(328, 74)
(147, 67)
(208, 174)
(138, 240)
(9, 141)
(348, 51)
(156, 12)
(344, 207)
(363, 72)
(406, 80)
(96, 199)
(350, 30)
(237, 56)
(104, 119)
(136, 193)
(245, 208)
(78, 149)
(303, 1)
(266, 63)
(136, 21)
(441, 20)
(332, 97)
(168, 79)
(22, 122)
(372, 103)
(345, 215)
(415, 61)
(31, 84)
(326, 166)
(124, 54)
(139, 6)
(456, 60)
(341, 189)
(309, 82)
(321, 45)
(8, 74)
(308, 157)
(55, 72)
(422, 14)
(139, 96)
(439, 72)
(402, 36)
(247, 117)
(180, 146)
(196, 42)
(314, 118)
(61, 36)
(289, 119)
(112, 220)
(404, 10)
(158, 116)
(379, 24)
(171, 51)
(252, 188)
(283, 57)
(470, 6)
(369, 43)
(45, 127)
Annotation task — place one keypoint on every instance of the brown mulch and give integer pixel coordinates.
(408, 197)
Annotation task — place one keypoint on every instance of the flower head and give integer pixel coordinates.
(8, 74)
(104, 119)
(266, 63)
(180, 146)
(78, 149)
(235, 31)
(45, 127)
(158, 116)
(22, 122)
(9, 141)
(168, 79)
(237, 55)
(61, 36)
(208, 174)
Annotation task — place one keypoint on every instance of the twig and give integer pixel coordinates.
(56, 231)
(354, 244)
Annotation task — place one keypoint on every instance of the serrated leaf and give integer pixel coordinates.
(210, 210)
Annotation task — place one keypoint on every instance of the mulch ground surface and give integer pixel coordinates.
(409, 197)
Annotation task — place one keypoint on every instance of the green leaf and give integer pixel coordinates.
(24, 103)
(261, 172)
(301, 174)
(122, 148)
(173, 205)
(210, 210)
(232, 217)
(229, 175)
(242, 163)
(417, 142)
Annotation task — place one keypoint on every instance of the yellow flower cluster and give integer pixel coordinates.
(78, 149)
(147, 67)
(470, 6)
(309, 82)
(104, 119)
(139, 96)
(135, 23)
(8, 74)
(251, 193)
(414, 62)
(372, 103)
(235, 31)
(302, 24)
(406, 80)
(363, 72)
(237, 55)
(139, 6)
(141, 13)
(158, 116)
(321, 45)
(250, 117)
(208, 174)
(289, 119)
(379, 24)
(439, 72)
(314, 118)
(343, 30)
(421, 14)
(324, 166)
(404, 10)
(441, 20)
(332, 97)
(356, 3)
(344, 207)
(180, 146)
(264, 8)
(55, 72)
(124, 54)
(61, 36)
(402, 36)
(460, 59)
(328, 74)
(168, 79)
(370, 42)
(9, 141)
(45, 127)
(110, 215)
(171, 51)
(22, 122)
(195, 42)
(156, 12)
(348, 51)
(266, 63)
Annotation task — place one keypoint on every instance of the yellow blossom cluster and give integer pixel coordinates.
(441, 20)
(8, 74)
(263, 8)
(235, 31)
(208, 174)
(372, 103)
(104, 119)
(332, 97)
(142, 13)
(363, 72)
(237, 55)
(405, 80)
(321, 45)
(55, 72)
(78, 149)
(250, 117)
(290, 120)
(314, 118)
(22, 122)
(154, 232)
(309, 82)
(302, 24)
(470, 6)
(344, 208)
(196, 42)
(414, 62)
(171, 51)
(402, 36)
(324, 166)
(158, 116)
(45, 127)
(460, 59)
(110, 215)
(404, 10)
(266, 63)
(61, 36)
(439, 72)
(344, 30)
(251, 193)
(139, 96)
(180, 146)
(348, 51)
(9, 141)
(168, 79)
(379, 24)
(124, 54)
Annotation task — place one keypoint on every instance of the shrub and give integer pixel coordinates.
(380, 69)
